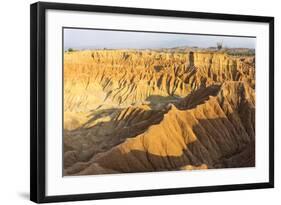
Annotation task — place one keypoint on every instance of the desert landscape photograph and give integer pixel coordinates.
(136, 101)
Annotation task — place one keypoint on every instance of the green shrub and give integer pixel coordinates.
(70, 50)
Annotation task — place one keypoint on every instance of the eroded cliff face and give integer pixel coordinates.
(122, 78)
(210, 135)
(138, 111)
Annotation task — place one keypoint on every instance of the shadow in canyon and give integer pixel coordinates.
(218, 145)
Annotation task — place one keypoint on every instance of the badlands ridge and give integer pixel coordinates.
(144, 110)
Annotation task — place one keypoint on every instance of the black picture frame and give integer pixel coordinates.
(38, 101)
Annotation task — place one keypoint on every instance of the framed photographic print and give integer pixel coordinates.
(129, 102)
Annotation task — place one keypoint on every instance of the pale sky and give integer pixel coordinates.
(99, 39)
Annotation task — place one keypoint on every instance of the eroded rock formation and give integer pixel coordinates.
(136, 111)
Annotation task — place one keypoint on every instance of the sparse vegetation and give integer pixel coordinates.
(71, 50)
(219, 45)
(241, 52)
